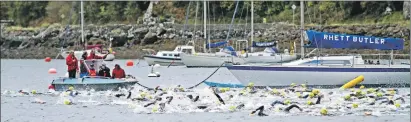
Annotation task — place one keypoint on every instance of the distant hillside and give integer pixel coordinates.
(131, 12)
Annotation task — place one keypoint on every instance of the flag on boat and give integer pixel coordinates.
(333, 40)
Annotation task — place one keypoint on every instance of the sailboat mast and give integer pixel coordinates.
(205, 23)
(302, 28)
(205, 18)
(252, 25)
(82, 25)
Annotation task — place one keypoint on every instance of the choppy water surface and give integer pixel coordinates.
(31, 75)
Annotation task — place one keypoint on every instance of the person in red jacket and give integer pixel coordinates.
(94, 56)
(118, 72)
(71, 62)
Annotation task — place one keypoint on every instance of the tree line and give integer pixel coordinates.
(37, 13)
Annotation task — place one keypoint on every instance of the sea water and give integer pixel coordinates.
(89, 106)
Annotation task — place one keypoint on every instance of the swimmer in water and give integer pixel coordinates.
(287, 110)
(191, 98)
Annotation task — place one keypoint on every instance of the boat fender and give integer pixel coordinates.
(353, 82)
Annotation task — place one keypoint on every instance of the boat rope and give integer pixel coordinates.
(191, 86)
(207, 77)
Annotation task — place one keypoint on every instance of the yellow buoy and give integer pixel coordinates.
(353, 82)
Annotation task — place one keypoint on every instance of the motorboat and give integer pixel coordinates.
(97, 83)
(166, 58)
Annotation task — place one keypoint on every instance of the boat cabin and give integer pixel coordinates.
(177, 51)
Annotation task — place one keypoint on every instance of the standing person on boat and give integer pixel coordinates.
(92, 71)
(118, 72)
(94, 56)
(71, 62)
(83, 68)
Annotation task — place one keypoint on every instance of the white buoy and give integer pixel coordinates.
(152, 73)
(156, 65)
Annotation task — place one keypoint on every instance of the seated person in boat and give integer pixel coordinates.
(92, 71)
(118, 72)
(94, 56)
(104, 71)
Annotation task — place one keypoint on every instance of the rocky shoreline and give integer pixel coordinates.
(128, 40)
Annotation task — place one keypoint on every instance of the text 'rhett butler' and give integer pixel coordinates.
(359, 39)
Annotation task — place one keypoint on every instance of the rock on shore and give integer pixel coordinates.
(46, 41)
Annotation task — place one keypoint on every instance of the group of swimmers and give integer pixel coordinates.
(375, 96)
(164, 97)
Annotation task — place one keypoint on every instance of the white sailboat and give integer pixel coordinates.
(97, 48)
(328, 70)
(226, 54)
(269, 55)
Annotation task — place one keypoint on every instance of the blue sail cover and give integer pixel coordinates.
(217, 44)
(332, 40)
(263, 44)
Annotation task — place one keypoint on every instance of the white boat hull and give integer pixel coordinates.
(209, 60)
(284, 76)
(109, 57)
(270, 59)
(163, 61)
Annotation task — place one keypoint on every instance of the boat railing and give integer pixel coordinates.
(369, 60)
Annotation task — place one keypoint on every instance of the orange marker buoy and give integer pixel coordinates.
(47, 59)
(129, 63)
(52, 71)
